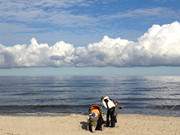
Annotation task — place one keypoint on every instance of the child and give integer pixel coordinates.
(111, 115)
(95, 117)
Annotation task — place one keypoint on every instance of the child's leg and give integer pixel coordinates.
(113, 117)
(107, 118)
(99, 123)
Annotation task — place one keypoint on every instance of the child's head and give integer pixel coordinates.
(104, 97)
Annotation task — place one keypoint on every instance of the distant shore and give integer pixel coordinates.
(128, 124)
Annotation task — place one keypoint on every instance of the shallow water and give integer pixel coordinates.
(159, 95)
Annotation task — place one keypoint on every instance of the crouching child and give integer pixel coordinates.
(95, 120)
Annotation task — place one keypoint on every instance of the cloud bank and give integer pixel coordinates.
(159, 46)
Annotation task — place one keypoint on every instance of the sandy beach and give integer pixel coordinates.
(76, 125)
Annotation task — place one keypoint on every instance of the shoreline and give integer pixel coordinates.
(82, 114)
(75, 123)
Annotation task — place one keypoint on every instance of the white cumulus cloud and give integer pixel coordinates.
(159, 46)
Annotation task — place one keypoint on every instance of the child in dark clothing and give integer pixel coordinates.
(111, 114)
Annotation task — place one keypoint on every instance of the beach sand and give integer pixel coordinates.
(76, 124)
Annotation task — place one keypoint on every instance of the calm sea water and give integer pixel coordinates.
(140, 95)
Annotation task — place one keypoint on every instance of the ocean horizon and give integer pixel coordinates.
(92, 71)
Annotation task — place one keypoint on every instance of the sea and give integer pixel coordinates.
(55, 95)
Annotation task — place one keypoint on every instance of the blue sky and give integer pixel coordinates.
(81, 21)
(89, 33)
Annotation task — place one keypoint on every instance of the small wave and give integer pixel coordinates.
(11, 109)
(168, 107)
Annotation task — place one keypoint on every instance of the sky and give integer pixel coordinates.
(89, 33)
(81, 22)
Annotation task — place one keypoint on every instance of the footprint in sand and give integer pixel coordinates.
(3, 132)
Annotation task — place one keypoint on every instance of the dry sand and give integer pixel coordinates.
(75, 124)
